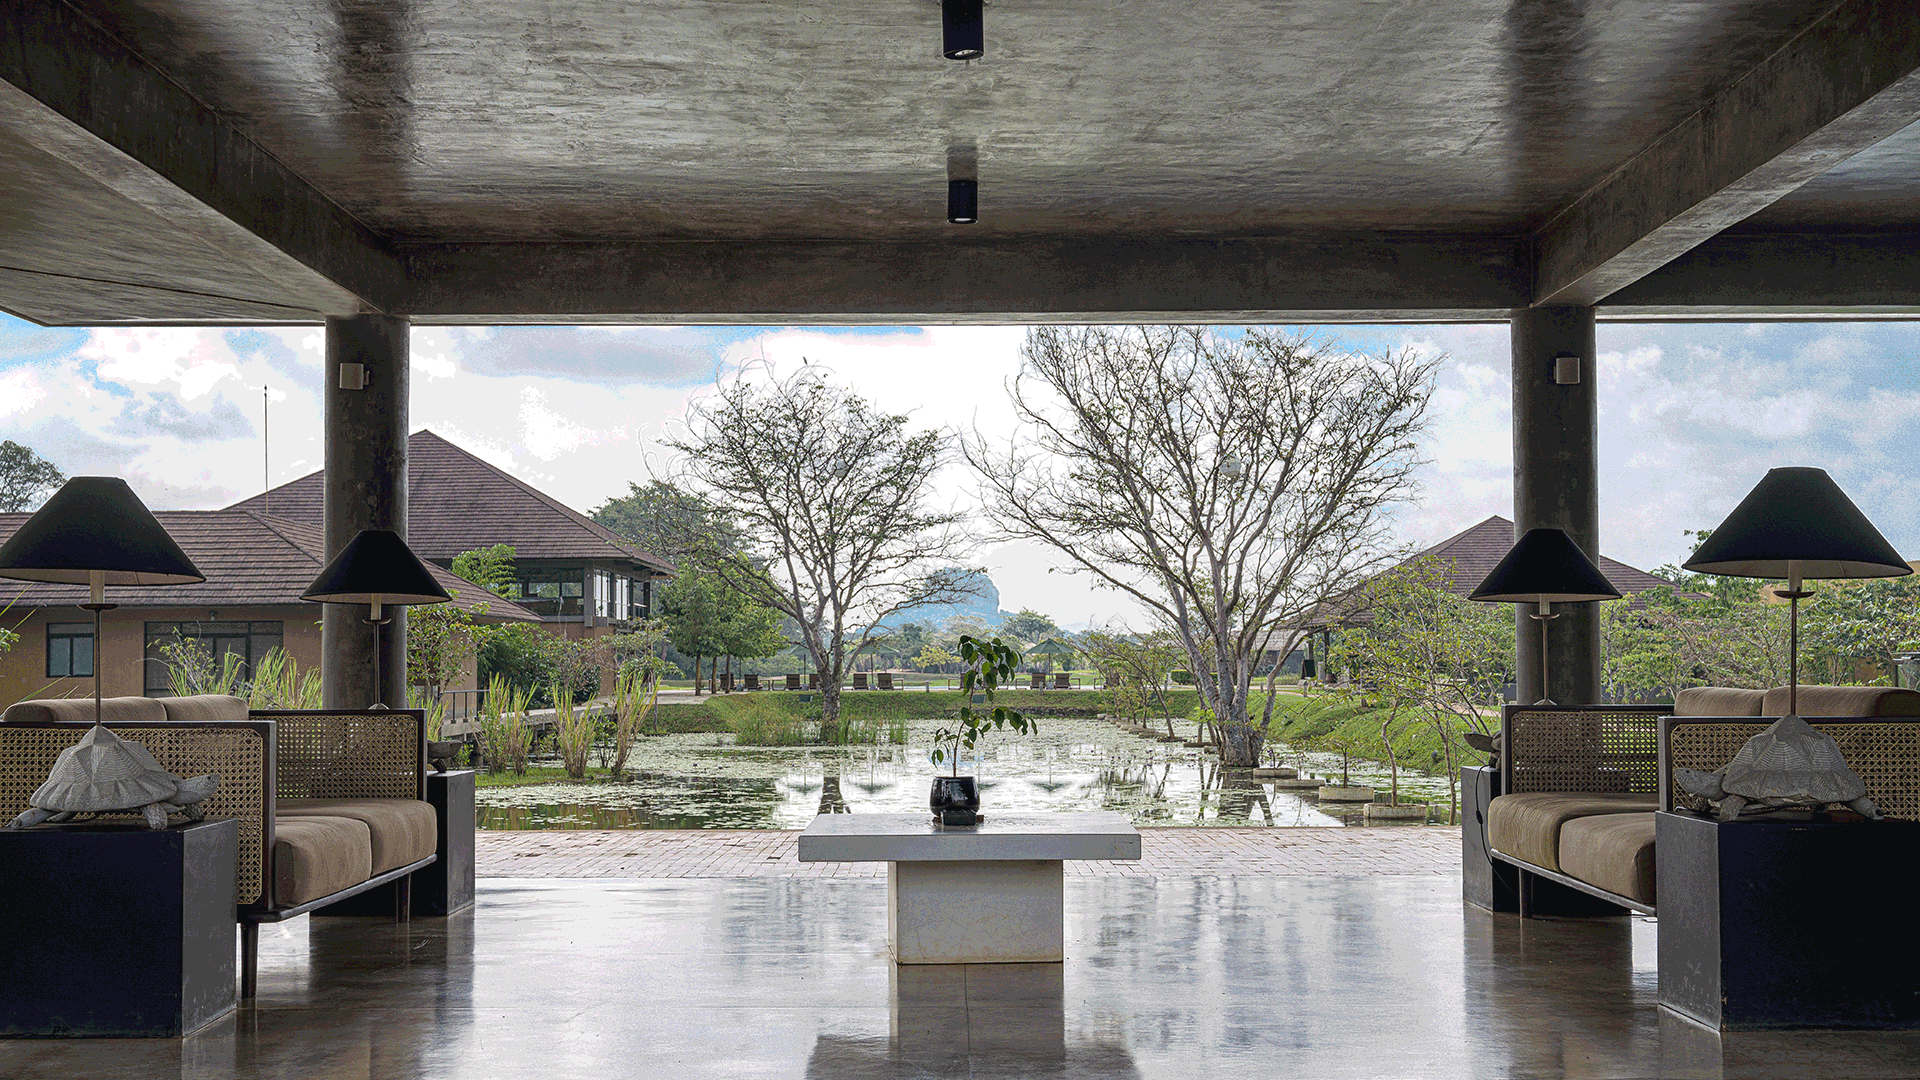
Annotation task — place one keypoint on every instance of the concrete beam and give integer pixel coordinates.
(1323, 277)
(1846, 82)
(1782, 275)
(51, 53)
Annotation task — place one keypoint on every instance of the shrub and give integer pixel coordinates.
(573, 731)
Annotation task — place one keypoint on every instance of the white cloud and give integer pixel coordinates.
(1691, 415)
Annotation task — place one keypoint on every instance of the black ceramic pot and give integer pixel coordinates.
(955, 794)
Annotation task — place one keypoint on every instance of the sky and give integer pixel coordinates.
(1691, 415)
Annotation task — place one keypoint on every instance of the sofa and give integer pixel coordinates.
(1578, 786)
(330, 803)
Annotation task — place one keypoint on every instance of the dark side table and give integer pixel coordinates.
(117, 929)
(1775, 924)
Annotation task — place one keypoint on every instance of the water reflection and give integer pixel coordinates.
(1152, 786)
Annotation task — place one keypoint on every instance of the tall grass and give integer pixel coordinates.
(573, 731)
(278, 683)
(634, 695)
(761, 721)
(506, 737)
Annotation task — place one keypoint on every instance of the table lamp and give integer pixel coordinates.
(1545, 568)
(1797, 524)
(376, 568)
(96, 532)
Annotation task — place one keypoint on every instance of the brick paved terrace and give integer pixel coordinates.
(1165, 852)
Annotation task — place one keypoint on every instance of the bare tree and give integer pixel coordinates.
(25, 476)
(831, 502)
(1229, 482)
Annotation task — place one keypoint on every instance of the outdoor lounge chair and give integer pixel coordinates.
(1060, 681)
(886, 680)
(1038, 681)
(793, 681)
(859, 680)
(753, 683)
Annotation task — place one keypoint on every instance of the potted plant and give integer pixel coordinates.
(986, 664)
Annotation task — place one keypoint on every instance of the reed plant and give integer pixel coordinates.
(433, 705)
(505, 735)
(634, 696)
(278, 683)
(574, 727)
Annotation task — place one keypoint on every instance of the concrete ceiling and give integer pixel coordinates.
(499, 160)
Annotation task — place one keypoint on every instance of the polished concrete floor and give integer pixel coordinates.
(1319, 978)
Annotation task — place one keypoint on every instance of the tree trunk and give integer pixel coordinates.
(696, 675)
(1393, 762)
(829, 709)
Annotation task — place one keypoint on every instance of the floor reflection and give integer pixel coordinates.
(1165, 979)
(975, 1020)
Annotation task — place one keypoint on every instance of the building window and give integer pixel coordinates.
(603, 594)
(212, 644)
(623, 597)
(548, 591)
(69, 650)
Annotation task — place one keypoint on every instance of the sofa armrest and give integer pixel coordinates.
(1580, 748)
(350, 753)
(241, 751)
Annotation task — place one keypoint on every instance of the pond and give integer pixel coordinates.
(707, 782)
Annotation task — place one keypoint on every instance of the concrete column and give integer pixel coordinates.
(1556, 485)
(366, 454)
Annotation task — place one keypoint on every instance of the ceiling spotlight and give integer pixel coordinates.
(963, 201)
(963, 37)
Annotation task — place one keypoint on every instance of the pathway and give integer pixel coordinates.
(1165, 852)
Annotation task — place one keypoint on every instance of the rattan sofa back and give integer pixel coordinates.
(318, 754)
(1581, 748)
(1883, 750)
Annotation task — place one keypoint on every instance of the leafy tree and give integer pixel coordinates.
(665, 520)
(833, 499)
(1029, 625)
(441, 640)
(935, 658)
(1228, 482)
(1427, 657)
(1135, 667)
(706, 620)
(24, 477)
(491, 568)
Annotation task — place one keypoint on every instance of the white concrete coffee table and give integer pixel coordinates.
(990, 894)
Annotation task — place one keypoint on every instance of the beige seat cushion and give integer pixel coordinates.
(1612, 851)
(112, 710)
(201, 708)
(1717, 701)
(403, 830)
(1845, 701)
(1527, 826)
(316, 856)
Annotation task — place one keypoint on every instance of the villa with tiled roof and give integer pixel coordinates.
(256, 565)
(578, 576)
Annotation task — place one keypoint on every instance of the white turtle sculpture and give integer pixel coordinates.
(1789, 765)
(103, 773)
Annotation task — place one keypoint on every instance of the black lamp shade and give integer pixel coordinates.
(96, 524)
(376, 566)
(1545, 565)
(1797, 515)
(963, 34)
(963, 201)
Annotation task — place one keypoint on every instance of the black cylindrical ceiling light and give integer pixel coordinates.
(963, 201)
(963, 35)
